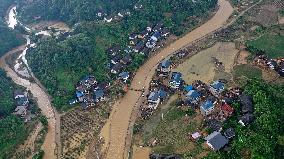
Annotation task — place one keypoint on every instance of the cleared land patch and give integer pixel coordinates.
(202, 67)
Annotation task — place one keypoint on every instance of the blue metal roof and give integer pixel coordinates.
(193, 94)
(207, 105)
(79, 94)
(124, 74)
(218, 85)
(98, 94)
(188, 88)
(162, 93)
(154, 96)
(157, 94)
(166, 63)
(157, 34)
(176, 76)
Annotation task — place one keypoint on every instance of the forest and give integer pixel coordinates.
(71, 11)
(12, 128)
(59, 64)
(8, 37)
(65, 62)
(7, 88)
(264, 138)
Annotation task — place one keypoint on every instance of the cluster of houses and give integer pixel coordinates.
(89, 92)
(272, 64)
(213, 101)
(22, 104)
(102, 15)
(139, 43)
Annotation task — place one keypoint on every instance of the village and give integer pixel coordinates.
(90, 92)
(23, 106)
(213, 101)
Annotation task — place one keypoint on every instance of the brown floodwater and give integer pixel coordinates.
(43, 102)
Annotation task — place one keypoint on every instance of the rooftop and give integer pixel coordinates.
(124, 75)
(247, 105)
(165, 63)
(188, 88)
(217, 140)
(229, 133)
(207, 105)
(193, 94)
(176, 76)
(218, 85)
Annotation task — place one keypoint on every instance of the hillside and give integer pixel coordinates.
(59, 64)
(12, 129)
(8, 38)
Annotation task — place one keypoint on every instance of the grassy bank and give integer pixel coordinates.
(271, 45)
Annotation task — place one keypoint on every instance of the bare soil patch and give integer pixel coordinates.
(141, 152)
(242, 57)
(202, 67)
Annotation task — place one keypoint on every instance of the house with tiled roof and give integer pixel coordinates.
(206, 107)
(193, 96)
(216, 141)
(216, 88)
(176, 80)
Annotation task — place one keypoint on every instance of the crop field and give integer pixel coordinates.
(78, 128)
(248, 71)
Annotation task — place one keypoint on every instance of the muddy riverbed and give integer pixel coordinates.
(21, 69)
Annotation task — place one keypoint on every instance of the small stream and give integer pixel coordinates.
(21, 64)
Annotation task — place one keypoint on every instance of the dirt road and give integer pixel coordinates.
(43, 101)
(117, 126)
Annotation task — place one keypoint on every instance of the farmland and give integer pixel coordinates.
(271, 45)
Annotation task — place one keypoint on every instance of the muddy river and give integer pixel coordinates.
(116, 130)
(21, 67)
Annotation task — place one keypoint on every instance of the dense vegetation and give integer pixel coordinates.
(264, 137)
(60, 64)
(12, 130)
(8, 37)
(86, 10)
(6, 99)
(65, 63)
(271, 45)
(73, 10)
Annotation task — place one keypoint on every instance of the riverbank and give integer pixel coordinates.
(49, 145)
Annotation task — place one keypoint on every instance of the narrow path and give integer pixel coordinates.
(121, 113)
(43, 101)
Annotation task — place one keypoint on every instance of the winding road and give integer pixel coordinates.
(116, 129)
